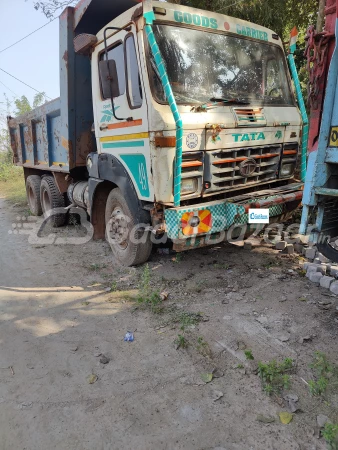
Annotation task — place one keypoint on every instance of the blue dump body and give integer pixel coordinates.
(36, 138)
(58, 135)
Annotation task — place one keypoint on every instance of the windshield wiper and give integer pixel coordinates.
(204, 107)
(229, 100)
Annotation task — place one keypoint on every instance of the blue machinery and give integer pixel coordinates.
(305, 119)
(321, 182)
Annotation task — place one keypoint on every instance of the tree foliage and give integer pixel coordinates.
(53, 8)
(16, 107)
(22, 105)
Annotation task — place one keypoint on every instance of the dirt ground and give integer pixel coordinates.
(58, 316)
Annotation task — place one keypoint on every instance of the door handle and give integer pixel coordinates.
(104, 128)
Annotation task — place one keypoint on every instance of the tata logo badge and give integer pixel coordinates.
(247, 167)
(192, 140)
(259, 215)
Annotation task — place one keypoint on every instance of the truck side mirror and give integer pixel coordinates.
(109, 78)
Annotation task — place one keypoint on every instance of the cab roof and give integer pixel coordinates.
(91, 16)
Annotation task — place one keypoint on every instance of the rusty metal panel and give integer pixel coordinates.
(26, 143)
(58, 154)
(35, 138)
(76, 96)
(37, 129)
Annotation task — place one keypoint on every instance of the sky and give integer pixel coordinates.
(35, 60)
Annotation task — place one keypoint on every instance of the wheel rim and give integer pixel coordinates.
(46, 204)
(118, 228)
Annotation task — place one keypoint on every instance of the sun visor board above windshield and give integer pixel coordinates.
(90, 16)
(214, 21)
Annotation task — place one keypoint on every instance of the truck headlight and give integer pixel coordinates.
(189, 186)
(287, 169)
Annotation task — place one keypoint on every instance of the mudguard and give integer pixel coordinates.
(106, 167)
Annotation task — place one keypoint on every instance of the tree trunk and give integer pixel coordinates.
(321, 16)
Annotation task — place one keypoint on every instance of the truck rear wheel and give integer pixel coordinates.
(33, 184)
(130, 246)
(50, 199)
(329, 249)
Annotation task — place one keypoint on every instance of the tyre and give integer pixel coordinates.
(130, 246)
(329, 249)
(33, 184)
(50, 199)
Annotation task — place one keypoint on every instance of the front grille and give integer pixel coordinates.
(250, 117)
(222, 167)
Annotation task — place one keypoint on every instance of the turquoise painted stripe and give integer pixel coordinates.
(303, 112)
(123, 144)
(173, 107)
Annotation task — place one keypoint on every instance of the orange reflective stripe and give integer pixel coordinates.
(191, 164)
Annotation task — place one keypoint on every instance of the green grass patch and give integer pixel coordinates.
(12, 182)
(203, 347)
(325, 375)
(330, 434)
(318, 387)
(248, 354)
(274, 375)
(149, 297)
(181, 342)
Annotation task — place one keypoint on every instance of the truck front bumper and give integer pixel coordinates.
(213, 217)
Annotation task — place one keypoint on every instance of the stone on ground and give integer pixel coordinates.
(310, 253)
(323, 258)
(315, 277)
(321, 268)
(298, 248)
(334, 287)
(289, 249)
(326, 281)
(280, 245)
(334, 271)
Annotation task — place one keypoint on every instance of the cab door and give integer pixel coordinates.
(125, 136)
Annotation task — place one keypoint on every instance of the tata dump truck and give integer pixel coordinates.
(172, 121)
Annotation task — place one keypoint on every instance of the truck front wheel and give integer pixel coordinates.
(51, 198)
(130, 244)
(33, 184)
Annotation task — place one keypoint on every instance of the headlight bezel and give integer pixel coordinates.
(194, 186)
(289, 158)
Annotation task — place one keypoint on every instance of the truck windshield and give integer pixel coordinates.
(203, 65)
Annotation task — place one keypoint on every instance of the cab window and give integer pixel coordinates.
(133, 74)
(117, 54)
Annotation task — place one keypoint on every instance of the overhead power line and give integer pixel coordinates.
(52, 20)
(12, 45)
(39, 92)
(16, 95)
